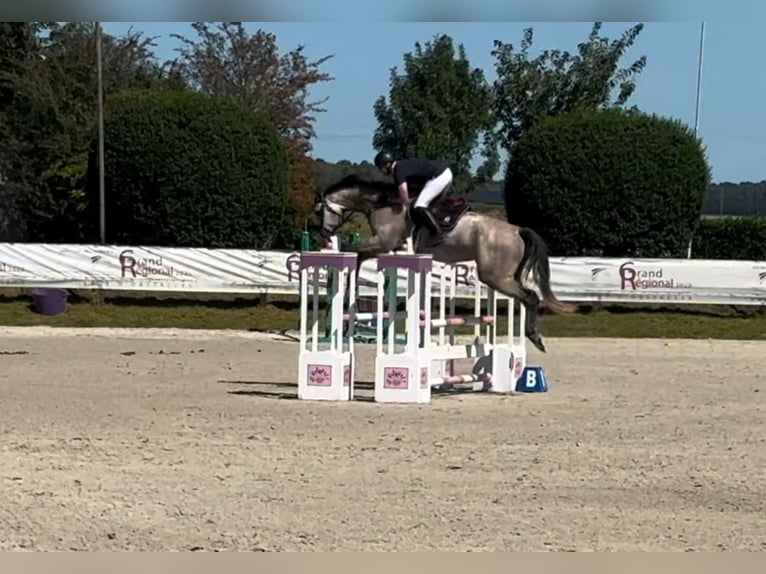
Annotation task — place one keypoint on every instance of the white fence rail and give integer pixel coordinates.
(585, 279)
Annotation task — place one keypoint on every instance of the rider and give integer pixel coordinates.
(433, 176)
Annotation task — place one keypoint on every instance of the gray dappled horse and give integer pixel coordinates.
(504, 254)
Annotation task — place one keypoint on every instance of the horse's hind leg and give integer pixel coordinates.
(509, 287)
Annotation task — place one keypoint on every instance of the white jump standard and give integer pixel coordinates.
(405, 376)
(327, 374)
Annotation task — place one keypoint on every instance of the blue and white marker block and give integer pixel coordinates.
(532, 380)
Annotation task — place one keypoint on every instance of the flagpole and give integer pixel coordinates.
(697, 114)
(101, 192)
(699, 78)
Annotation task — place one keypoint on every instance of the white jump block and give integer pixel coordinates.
(402, 378)
(508, 362)
(325, 375)
(519, 360)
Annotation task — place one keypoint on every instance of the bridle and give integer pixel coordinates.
(336, 209)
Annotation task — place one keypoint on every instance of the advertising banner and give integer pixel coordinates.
(251, 271)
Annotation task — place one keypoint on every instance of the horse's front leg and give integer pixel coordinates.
(370, 249)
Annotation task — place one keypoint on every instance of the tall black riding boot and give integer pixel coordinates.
(429, 220)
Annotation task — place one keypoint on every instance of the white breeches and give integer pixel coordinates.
(433, 188)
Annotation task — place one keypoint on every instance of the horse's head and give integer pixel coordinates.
(333, 207)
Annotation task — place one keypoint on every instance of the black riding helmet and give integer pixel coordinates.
(383, 157)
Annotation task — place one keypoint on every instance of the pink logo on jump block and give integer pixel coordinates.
(516, 366)
(320, 375)
(396, 378)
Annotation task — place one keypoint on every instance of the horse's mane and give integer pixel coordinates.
(353, 180)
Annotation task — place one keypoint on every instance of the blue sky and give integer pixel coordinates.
(731, 113)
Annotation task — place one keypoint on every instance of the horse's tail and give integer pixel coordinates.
(535, 260)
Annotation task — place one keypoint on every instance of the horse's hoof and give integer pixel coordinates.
(537, 341)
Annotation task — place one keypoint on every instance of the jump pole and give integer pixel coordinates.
(447, 350)
(503, 355)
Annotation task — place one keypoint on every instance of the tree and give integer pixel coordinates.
(731, 238)
(436, 108)
(301, 190)
(527, 90)
(48, 118)
(227, 60)
(18, 42)
(610, 183)
(190, 170)
(743, 198)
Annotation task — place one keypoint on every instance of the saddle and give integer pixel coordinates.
(448, 210)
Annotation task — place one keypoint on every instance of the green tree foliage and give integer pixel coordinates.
(610, 183)
(556, 81)
(743, 198)
(227, 60)
(437, 108)
(48, 117)
(191, 170)
(731, 238)
(19, 41)
(224, 59)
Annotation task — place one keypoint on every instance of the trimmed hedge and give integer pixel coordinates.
(731, 238)
(609, 183)
(189, 170)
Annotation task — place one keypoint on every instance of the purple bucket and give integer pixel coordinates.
(49, 301)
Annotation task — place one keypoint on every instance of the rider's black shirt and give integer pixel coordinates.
(416, 172)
